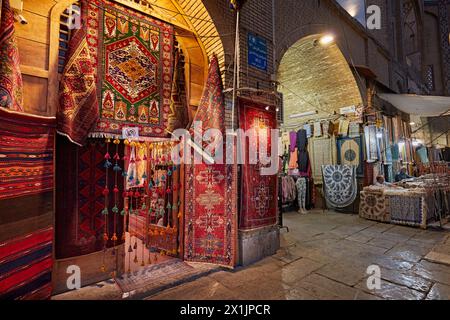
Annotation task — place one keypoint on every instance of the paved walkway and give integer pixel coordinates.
(325, 256)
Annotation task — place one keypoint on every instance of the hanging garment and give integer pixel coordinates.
(11, 85)
(285, 142)
(302, 140)
(293, 159)
(307, 127)
(303, 161)
(301, 192)
(326, 128)
(317, 129)
(340, 185)
(354, 130)
(343, 127)
(292, 141)
(422, 154)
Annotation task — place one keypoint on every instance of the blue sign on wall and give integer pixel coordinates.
(257, 52)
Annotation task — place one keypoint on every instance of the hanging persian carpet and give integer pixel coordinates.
(339, 183)
(133, 54)
(210, 194)
(85, 183)
(11, 86)
(178, 117)
(259, 192)
(350, 152)
(26, 205)
(78, 104)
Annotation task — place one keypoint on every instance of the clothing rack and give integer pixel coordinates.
(312, 121)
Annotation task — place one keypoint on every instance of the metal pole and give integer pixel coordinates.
(236, 70)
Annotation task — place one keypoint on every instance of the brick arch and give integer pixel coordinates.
(306, 30)
(315, 77)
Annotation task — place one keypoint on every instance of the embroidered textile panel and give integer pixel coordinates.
(133, 55)
(259, 192)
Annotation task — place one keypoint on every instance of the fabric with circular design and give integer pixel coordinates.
(350, 152)
(339, 183)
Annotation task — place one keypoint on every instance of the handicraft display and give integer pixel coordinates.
(210, 228)
(339, 183)
(133, 56)
(89, 206)
(11, 84)
(373, 206)
(259, 192)
(350, 152)
(26, 205)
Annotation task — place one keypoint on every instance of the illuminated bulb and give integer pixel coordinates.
(267, 108)
(412, 123)
(327, 39)
(277, 109)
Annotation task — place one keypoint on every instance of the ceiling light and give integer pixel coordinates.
(326, 39)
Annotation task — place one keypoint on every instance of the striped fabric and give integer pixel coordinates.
(25, 266)
(26, 154)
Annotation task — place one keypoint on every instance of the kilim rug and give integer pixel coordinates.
(26, 266)
(26, 154)
(339, 184)
(78, 106)
(133, 56)
(350, 152)
(81, 180)
(373, 206)
(178, 116)
(210, 192)
(11, 86)
(407, 208)
(259, 192)
(26, 205)
(322, 152)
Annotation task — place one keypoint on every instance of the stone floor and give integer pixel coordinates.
(326, 256)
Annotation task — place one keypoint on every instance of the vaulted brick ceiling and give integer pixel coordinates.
(315, 77)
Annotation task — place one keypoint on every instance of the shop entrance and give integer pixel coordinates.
(153, 201)
(322, 124)
(119, 201)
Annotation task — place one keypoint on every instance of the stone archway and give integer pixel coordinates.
(316, 77)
